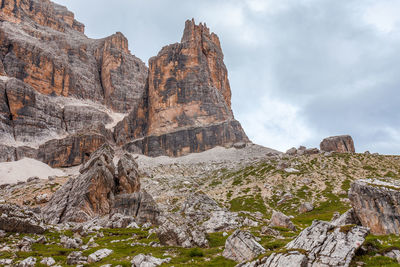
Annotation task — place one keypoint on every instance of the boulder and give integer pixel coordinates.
(143, 260)
(289, 259)
(21, 220)
(99, 255)
(306, 207)
(311, 151)
(141, 205)
(48, 261)
(328, 245)
(176, 230)
(202, 209)
(341, 144)
(28, 262)
(321, 244)
(242, 246)
(292, 151)
(347, 218)
(76, 258)
(278, 219)
(375, 203)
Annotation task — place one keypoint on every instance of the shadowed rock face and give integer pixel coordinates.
(375, 203)
(341, 144)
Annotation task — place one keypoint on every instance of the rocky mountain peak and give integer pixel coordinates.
(43, 12)
(188, 83)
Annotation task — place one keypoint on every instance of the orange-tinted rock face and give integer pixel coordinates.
(42, 45)
(187, 104)
(341, 144)
(42, 12)
(188, 83)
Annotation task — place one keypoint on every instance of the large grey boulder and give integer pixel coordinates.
(202, 209)
(278, 219)
(140, 205)
(177, 230)
(320, 245)
(376, 204)
(328, 245)
(21, 220)
(347, 218)
(242, 246)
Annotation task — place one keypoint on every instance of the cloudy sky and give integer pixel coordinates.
(300, 70)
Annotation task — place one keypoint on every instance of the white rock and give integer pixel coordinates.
(48, 261)
(142, 260)
(28, 262)
(242, 246)
(99, 255)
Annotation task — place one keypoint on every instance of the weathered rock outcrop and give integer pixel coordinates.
(341, 144)
(70, 151)
(177, 230)
(96, 192)
(205, 211)
(88, 195)
(281, 220)
(376, 204)
(21, 220)
(189, 140)
(242, 246)
(42, 45)
(321, 244)
(187, 102)
(142, 260)
(141, 205)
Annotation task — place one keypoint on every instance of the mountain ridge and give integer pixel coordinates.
(179, 105)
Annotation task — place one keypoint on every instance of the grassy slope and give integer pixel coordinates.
(258, 188)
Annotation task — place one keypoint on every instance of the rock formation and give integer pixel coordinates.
(341, 144)
(187, 105)
(375, 203)
(43, 46)
(321, 244)
(97, 192)
(242, 246)
(21, 220)
(278, 219)
(50, 70)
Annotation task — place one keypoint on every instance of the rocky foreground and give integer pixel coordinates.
(245, 206)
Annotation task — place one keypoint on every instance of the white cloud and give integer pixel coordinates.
(384, 15)
(275, 124)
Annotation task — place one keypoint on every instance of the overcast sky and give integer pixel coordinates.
(300, 70)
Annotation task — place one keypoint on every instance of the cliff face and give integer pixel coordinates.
(188, 84)
(42, 45)
(56, 83)
(188, 100)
